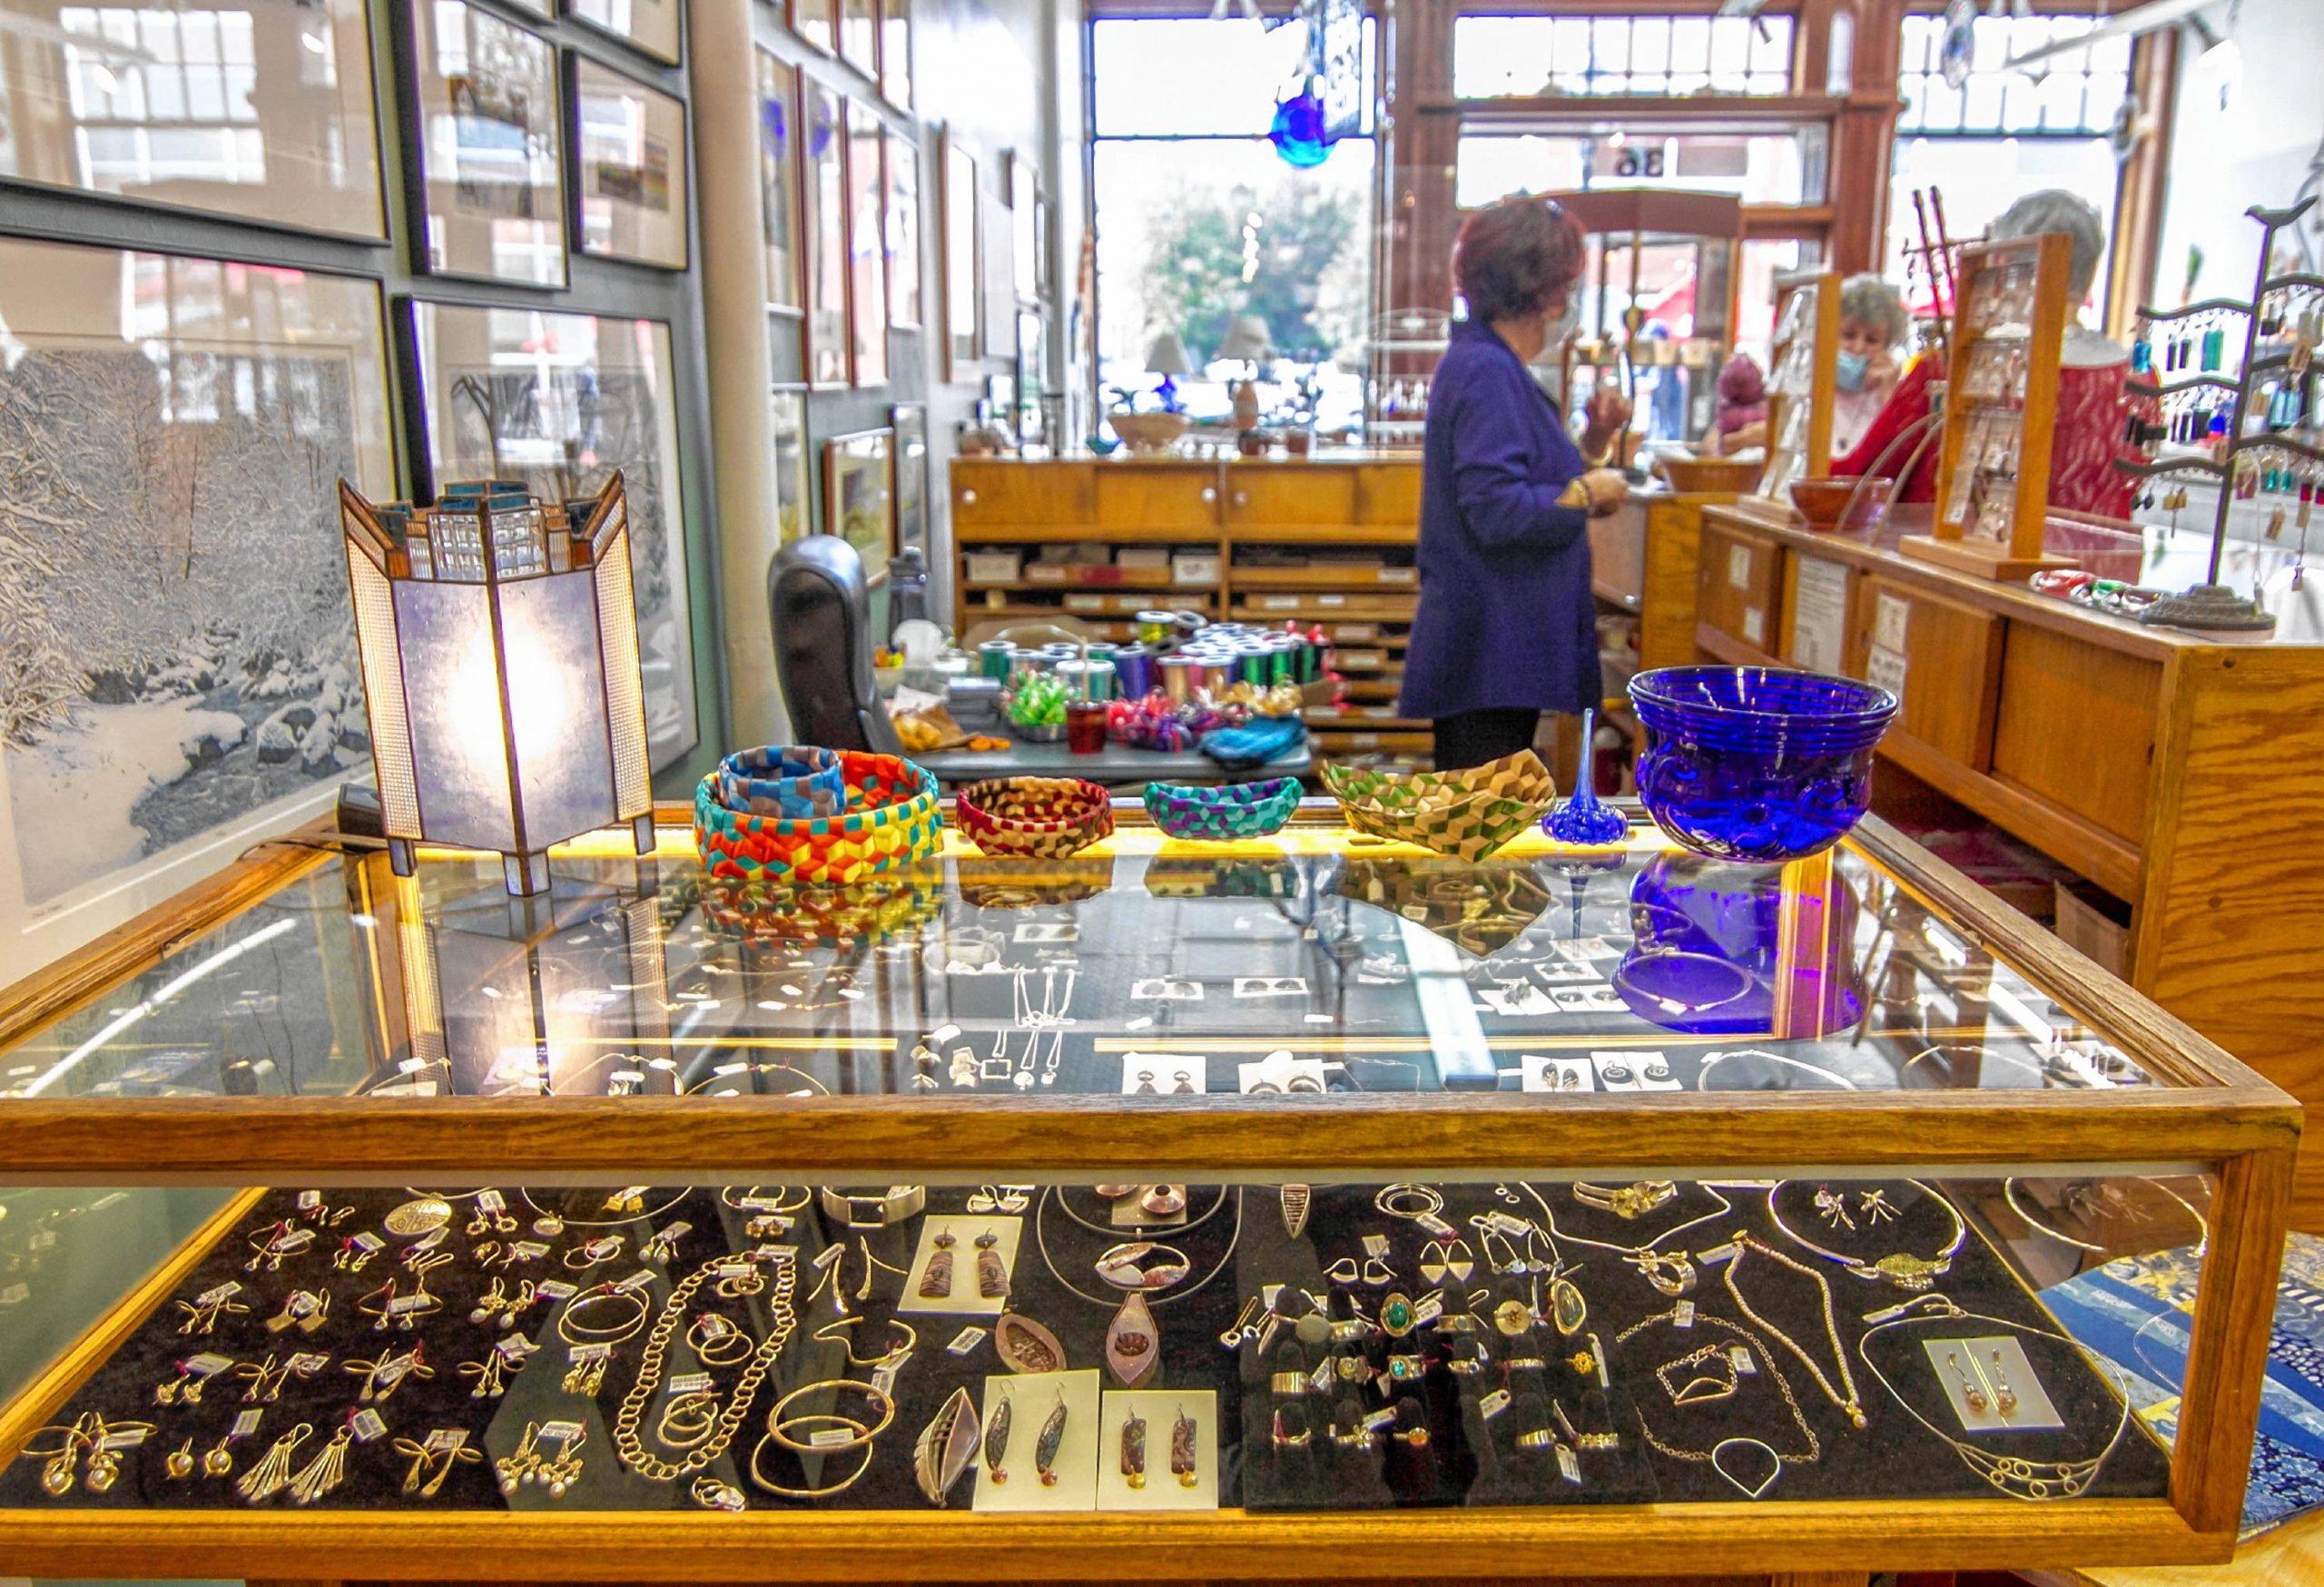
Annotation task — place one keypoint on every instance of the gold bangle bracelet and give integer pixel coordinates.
(862, 1212)
(863, 1441)
(776, 1422)
(724, 1348)
(836, 1332)
(573, 1333)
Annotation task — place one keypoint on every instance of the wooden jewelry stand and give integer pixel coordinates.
(2002, 394)
(1801, 371)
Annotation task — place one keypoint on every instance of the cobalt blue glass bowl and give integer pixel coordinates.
(1757, 764)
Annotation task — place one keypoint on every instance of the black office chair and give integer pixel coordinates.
(821, 612)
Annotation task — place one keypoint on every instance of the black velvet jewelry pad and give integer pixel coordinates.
(1465, 1460)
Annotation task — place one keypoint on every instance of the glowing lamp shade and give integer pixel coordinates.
(500, 668)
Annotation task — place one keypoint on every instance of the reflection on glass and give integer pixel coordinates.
(1644, 972)
(259, 110)
(489, 139)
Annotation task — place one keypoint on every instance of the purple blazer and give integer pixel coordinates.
(1506, 619)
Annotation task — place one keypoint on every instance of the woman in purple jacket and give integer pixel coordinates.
(1506, 628)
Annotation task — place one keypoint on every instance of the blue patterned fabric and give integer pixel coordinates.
(2136, 1311)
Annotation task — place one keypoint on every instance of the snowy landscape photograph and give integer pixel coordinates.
(176, 648)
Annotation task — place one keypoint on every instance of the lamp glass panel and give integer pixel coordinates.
(452, 690)
(557, 702)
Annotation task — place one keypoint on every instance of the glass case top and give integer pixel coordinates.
(1318, 962)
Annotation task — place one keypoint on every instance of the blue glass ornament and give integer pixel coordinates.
(1298, 133)
(1582, 821)
(2141, 356)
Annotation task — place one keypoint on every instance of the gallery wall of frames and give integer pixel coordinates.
(247, 247)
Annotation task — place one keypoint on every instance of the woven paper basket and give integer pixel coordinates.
(1046, 817)
(1464, 814)
(1222, 814)
(892, 819)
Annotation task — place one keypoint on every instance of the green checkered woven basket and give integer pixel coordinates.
(1465, 814)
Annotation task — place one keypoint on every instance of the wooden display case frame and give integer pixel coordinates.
(1823, 332)
(2206, 1107)
(1954, 544)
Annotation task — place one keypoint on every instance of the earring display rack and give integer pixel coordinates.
(1800, 373)
(2253, 428)
(2009, 326)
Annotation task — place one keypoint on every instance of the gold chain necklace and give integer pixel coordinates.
(1814, 1451)
(629, 1446)
(1854, 1403)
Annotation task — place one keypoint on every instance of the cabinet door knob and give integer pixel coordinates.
(969, 496)
(1210, 493)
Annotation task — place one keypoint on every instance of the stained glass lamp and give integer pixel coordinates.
(500, 671)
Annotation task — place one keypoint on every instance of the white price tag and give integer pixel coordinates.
(1754, 626)
(831, 1438)
(245, 1424)
(123, 1437)
(1386, 1416)
(368, 1425)
(530, 1251)
(1494, 1404)
(1682, 1316)
(562, 1431)
(1885, 669)
(226, 1291)
(1740, 1356)
(1890, 618)
(884, 1379)
(309, 1199)
(1739, 567)
(491, 1201)
(1375, 1245)
(206, 1364)
(1428, 1311)
(964, 1341)
(557, 1290)
(446, 1438)
(307, 1363)
(688, 1382)
(371, 1244)
(645, 1276)
(581, 1353)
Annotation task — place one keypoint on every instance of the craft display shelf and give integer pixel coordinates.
(697, 1038)
(1993, 478)
(2171, 768)
(1802, 365)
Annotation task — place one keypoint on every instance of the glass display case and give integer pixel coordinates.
(1166, 1208)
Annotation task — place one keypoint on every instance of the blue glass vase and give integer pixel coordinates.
(1584, 821)
(1757, 764)
(1297, 132)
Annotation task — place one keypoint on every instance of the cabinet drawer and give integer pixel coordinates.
(1157, 496)
(2076, 726)
(1290, 495)
(1739, 585)
(1952, 666)
(1010, 495)
(1388, 493)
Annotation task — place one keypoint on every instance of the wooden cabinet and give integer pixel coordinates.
(1295, 495)
(991, 493)
(1157, 496)
(1952, 654)
(1739, 599)
(2077, 728)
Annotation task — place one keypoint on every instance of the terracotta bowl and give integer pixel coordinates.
(1708, 474)
(1821, 502)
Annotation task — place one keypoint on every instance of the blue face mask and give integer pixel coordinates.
(1850, 370)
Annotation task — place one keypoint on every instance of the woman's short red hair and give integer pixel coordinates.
(1511, 259)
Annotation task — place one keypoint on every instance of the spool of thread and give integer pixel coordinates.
(1251, 665)
(1189, 623)
(1279, 662)
(1178, 674)
(994, 656)
(1134, 671)
(1217, 676)
(1074, 674)
(1155, 626)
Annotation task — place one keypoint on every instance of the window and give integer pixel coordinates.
(161, 96)
(1759, 168)
(1500, 57)
(2002, 132)
(1200, 223)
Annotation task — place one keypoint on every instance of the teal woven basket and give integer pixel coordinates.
(1224, 814)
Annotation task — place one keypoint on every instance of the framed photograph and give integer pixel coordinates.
(817, 22)
(298, 148)
(895, 52)
(903, 231)
(183, 681)
(651, 28)
(909, 421)
(489, 199)
(559, 402)
(787, 428)
(1025, 229)
(859, 495)
(779, 180)
(825, 235)
(867, 297)
(859, 35)
(963, 284)
(629, 154)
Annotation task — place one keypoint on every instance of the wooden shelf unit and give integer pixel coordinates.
(1251, 514)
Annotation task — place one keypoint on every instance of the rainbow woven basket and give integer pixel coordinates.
(1047, 817)
(1222, 814)
(890, 818)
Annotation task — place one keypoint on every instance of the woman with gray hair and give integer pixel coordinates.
(1872, 326)
(2093, 407)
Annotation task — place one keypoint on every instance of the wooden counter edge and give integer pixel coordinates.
(891, 1546)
